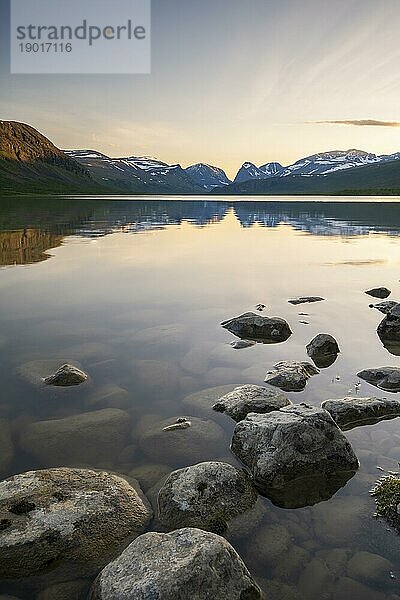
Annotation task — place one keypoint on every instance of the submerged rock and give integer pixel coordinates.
(66, 520)
(285, 448)
(202, 440)
(39, 372)
(387, 498)
(250, 326)
(250, 399)
(380, 292)
(186, 564)
(65, 376)
(384, 307)
(203, 400)
(384, 378)
(207, 495)
(351, 412)
(241, 344)
(291, 375)
(305, 300)
(323, 350)
(90, 438)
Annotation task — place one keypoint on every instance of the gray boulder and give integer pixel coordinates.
(323, 350)
(207, 495)
(180, 446)
(291, 375)
(187, 564)
(93, 438)
(241, 344)
(65, 376)
(250, 326)
(351, 412)
(384, 378)
(389, 328)
(71, 520)
(250, 399)
(287, 449)
(305, 300)
(202, 400)
(380, 292)
(384, 307)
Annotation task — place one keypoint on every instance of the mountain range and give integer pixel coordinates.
(29, 162)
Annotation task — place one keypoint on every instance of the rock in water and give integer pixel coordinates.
(384, 307)
(69, 520)
(241, 344)
(305, 300)
(91, 438)
(323, 350)
(250, 399)
(291, 375)
(182, 446)
(256, 327)
(380, 292)
(66, 375)
(351, 412)
(208, 495)
(385, 378)
(389, 328)
(387, 497)
(186, 564)
(290, 449)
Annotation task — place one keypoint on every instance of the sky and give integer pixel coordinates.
(231, 81)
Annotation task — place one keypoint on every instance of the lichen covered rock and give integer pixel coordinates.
(351, 412)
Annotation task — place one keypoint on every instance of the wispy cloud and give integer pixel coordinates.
(360, 123)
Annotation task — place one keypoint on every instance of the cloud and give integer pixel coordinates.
(361, 123)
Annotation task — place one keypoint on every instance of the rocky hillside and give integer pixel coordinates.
(29, 162)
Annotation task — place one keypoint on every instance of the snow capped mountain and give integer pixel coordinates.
(323, 163)
(207, 176)
(249, 171)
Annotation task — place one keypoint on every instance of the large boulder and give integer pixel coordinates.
(286, 449)
(380, 292)
(351, 412)
(384, 378)
(291, 375)
(207, 495)
(181, 441)
(323, 349)
(93, 438)
(67, 520)
(250, 326)
(389, 328)
(249, 398)
(187, 564)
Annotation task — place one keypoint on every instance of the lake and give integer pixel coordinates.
(135, 291)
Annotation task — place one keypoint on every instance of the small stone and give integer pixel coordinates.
(250, 326)
(250, 399)
(380, 292)
(67, 375)
(184, 564)
(241, 344)
(181, 423)
(291, 376)
(305, 300)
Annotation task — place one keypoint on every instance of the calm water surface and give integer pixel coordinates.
(87, 280)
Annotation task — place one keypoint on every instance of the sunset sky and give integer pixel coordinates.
(232, 81)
